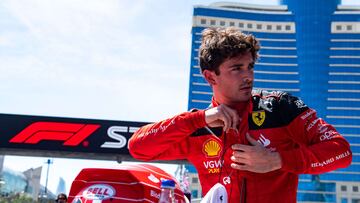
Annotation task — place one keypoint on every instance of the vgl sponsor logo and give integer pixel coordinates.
(213, 166)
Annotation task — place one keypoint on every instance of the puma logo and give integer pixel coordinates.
(263, 140)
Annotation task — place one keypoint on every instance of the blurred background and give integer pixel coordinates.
(137, 61)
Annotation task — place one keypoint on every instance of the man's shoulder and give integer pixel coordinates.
(275, 101)
(264, 94)
(276, 95)
(267, 100)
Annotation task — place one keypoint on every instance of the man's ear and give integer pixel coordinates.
(209, 77)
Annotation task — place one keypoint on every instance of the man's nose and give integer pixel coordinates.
(248, 79)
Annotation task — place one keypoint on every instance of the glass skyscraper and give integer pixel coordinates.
(311, 49)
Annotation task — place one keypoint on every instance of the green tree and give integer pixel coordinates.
(17, 198)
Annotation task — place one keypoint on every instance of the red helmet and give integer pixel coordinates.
(127, 183)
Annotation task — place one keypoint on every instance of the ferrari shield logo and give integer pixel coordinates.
(258, 117)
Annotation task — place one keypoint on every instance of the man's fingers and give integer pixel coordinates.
(226, 118)
(235, 119)
(240, 167)
(252, 140)
(241, 147)
(240, 160)
(229, 117)
(241, 155)
(217, 123)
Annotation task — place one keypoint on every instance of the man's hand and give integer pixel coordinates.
(222, 116)
(254, 158)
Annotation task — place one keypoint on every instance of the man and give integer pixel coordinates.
(254, 143)
(61, 198)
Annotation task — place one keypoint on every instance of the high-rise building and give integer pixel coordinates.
(61, 187)
(33, 176)
(310, 49)
(27, 182)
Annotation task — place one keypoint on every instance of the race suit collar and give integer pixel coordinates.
(241, 107)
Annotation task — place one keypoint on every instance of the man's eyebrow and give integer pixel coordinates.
(236, 65)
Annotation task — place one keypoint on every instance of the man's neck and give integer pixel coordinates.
(239, 106)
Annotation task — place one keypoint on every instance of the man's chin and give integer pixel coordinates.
(243, 99)
(245, 96)
(246, 92)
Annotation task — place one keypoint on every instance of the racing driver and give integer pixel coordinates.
(254, 142)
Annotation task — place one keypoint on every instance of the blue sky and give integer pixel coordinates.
(114, 59)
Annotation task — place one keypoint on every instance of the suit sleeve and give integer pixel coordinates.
(320, 148)
(167, 139)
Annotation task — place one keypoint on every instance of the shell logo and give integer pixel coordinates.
(99, 192)
(212, 148)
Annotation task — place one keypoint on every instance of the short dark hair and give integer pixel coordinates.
(218, 44)
(61, 196)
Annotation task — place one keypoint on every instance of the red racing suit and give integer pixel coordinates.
(277, 120)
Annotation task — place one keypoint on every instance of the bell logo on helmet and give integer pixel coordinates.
(99, 192)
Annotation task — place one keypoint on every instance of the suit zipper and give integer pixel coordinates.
(243, 191)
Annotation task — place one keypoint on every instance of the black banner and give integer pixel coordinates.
(66, 137)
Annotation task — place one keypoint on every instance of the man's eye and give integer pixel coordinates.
(236, 69)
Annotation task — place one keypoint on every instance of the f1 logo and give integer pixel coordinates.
(72, 133)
